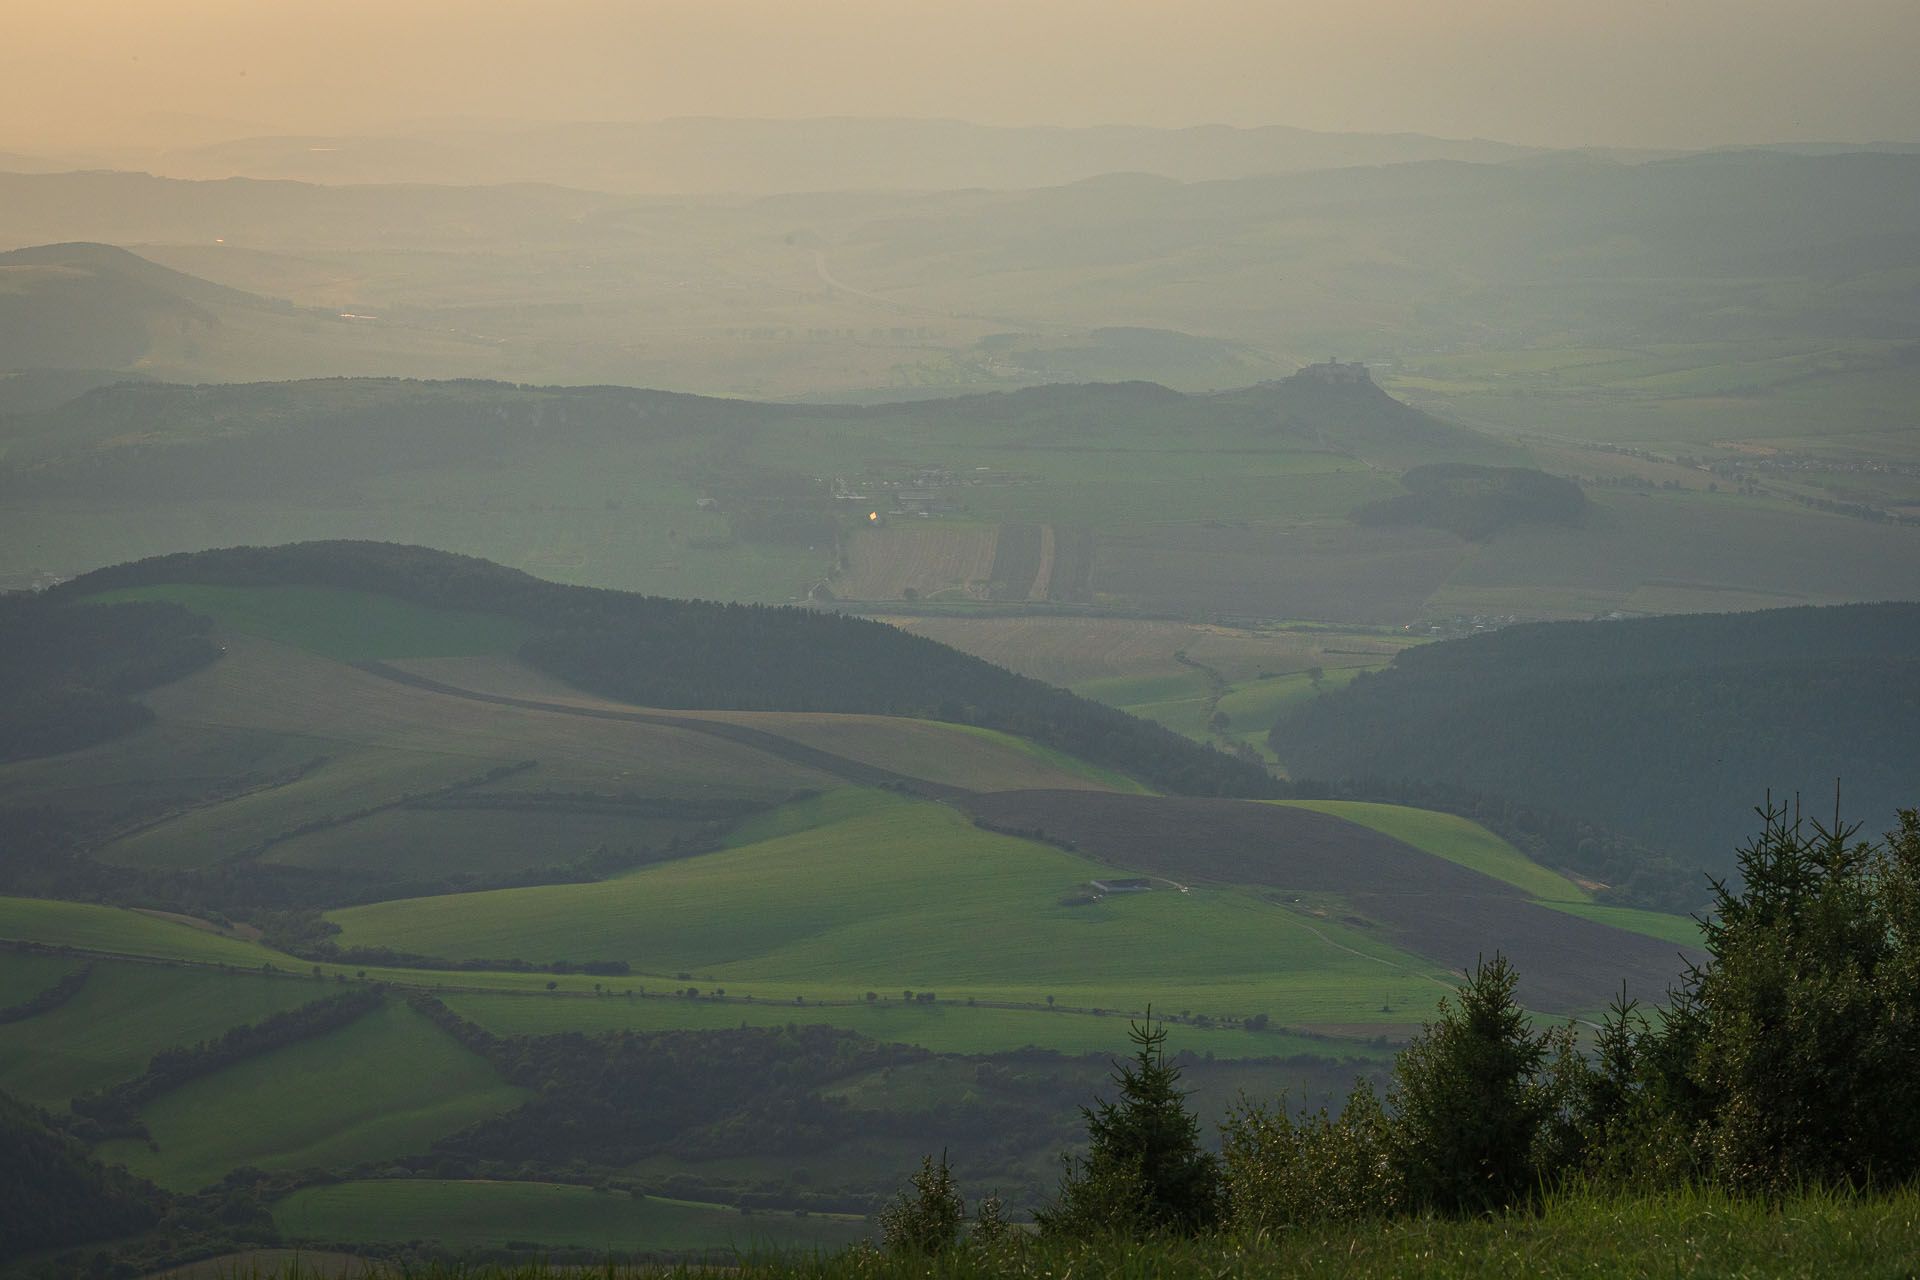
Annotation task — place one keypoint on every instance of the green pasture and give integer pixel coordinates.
(347, 626)
(118, 931)
(887, 894)
(1457, 840)
(1682, 931)
(1252, 706)
(497, 1215)
(125, 1014)
(24, 975)
(352, 779)
(843, 804)
(948, 1026)
(1129, 692)
(1186, 716)
(386, 1085)
(440, 842)
(1184, 701)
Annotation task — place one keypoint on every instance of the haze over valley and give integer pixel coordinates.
(614, 629)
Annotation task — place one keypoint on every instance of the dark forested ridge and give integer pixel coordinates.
(697, 654)
(52, 1193)
(1476, 502)
(1643, 726)
(66, 671)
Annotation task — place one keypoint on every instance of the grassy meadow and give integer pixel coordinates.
(949, 1026)
(1457, 840)
(24, 975)
(118, 931)
(314, 1104)
(889, 894)
(500, 1215)
(126, 1013)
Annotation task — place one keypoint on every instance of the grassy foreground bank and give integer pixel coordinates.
(1693, 1233)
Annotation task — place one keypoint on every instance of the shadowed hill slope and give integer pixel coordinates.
(94, 306)
(1647, 726)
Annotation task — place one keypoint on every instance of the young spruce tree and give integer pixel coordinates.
(1145, 1171)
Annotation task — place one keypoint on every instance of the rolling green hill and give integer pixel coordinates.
(757, 951)
(690, 654)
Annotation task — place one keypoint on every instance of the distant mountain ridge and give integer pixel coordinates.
(165, 440)
(690, 154)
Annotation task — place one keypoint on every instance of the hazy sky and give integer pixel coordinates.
(1559, 72)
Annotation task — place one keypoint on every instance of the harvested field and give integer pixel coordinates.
(1333, 573)
(947, 755)
(1074, 651)
(1043, 576)
(1434, 908)
(261, 685)
(1705, 552)
(933, 559)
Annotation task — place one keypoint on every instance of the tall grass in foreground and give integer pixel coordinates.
(1694, 1233)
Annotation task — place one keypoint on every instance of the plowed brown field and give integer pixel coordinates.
(1429, 906)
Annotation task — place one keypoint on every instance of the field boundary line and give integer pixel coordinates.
(741, 735)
